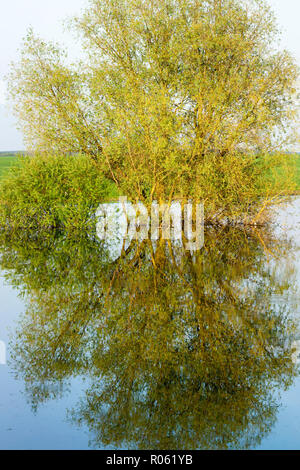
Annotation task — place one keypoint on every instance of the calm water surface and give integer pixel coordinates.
(159, 349)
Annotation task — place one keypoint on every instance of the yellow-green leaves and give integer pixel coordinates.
(52, 192)
(167, 87)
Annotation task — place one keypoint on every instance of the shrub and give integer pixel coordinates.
(52, 191)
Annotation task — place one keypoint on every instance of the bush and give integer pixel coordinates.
(244, 187)
(52, 191)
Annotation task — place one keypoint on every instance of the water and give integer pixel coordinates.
(156, 349)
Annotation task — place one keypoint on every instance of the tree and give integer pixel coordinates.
(175, 98)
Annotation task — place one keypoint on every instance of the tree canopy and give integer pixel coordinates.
(174, 98)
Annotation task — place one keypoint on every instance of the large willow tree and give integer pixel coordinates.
(186, 98)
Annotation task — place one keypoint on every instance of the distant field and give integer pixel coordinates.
(6, 160)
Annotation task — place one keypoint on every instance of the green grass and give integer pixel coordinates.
(6, 161)
(298, 173)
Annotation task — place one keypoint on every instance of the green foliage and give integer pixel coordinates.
(52, 191)
(174, 98)
(243, 187)
(6, 161)
(298, 172)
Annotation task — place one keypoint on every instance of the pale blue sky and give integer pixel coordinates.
(46, 19)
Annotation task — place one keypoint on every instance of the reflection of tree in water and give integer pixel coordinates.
(181, 351)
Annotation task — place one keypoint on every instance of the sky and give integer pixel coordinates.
(46, 18)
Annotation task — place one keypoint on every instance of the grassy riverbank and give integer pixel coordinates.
(7, 159)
